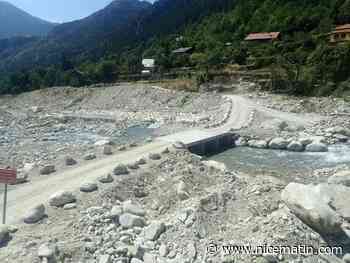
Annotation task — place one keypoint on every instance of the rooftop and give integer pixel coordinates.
(263, 36)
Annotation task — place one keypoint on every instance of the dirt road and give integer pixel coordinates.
(22, 198)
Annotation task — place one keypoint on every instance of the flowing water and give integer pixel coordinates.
(252, 160)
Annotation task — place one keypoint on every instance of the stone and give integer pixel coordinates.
(116, 211)
(295, 146)
(316, 147)
(141, 161)
(127, 220)
(4, 234)
(62, 198)
(22, 178)
(216, 165)
(341, 138)
(48, 169)
(339, 130)
(154, 230)
(133, 208)
(155, 156)
(346, 258)
(136, 260)
(36, 109)
(312, 139)
(106, 179)
(47, 251)
(179, 145)
(150, 258)
(34, 214)
(278, 144)
(107, 150)
(103, 143)
(259, 144)
(70, 206)
(88, 187)
(181, 191)
(311, 205)
(133, 166)
(120, 169)
(166, 151)
(70, 161)
(89, 157)
(163, 250)
(105, 259)
(342, 177)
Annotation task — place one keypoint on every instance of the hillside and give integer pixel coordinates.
(114, 40)
(16, 22)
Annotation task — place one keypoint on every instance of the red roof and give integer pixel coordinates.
(263, 36)
(342, 29)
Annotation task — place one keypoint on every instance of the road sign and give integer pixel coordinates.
(7, 176)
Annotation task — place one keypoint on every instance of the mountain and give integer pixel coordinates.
(16, 22)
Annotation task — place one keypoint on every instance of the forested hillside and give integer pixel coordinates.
(304, 59)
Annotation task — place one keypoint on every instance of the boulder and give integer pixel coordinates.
(312, 139)
(133, 208)
(259, 144)
(70, 206)
(133, 166)
(154, 230)
(105, 259)
(120, 169)
(216, 165)
(22, 178)
(70, 161)
(34, 214)
(179, 145)
(62, 198)
(48, 169)
(316, 147)
(311, 204)
(342, 177)
(47, 251)
(106, 179)
(278, 144)
(4, 234)
(155, 156)
(181, 191)
(88, 187)
(107, 150)
(89, 157)
(103, 143)
(141, 161)
(339, 130)
(116, 211)
(127, 220)
(295, 146)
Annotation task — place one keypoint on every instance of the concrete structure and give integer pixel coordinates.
(203, 142)
(340, 34)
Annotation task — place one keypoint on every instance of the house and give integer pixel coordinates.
(340, 34)
(183, 50)
(149, 65)
(264, 37)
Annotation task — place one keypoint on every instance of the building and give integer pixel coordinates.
(183, 50)
(263, 37)
(149, 65)
(340, 34)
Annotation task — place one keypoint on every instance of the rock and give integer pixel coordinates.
(154, 230)
(70, 206)
(36, 109)
(35, 214)
(48, 169)
(116, 211)
(120, 169)
(103, 143)
(316, 147)
(216, 165)
(166, 151)
(179, 145)
(181, 191)
(22, 178)
(341, 138)
(241, 142)
(47, 251)
(278, 144)
(259, 144)
(136, 260)
(127, 220)
(105, 259)
(339, 130)
(342, 177)
(70, 161)
(141, 161)
(133, 166)
(346, 258)
(88, 187)
(150, 258)
(312, 139)
(106, 179)
(28, 168)
(107, 150)
(311, 205)
(62, 198)
(191, 251)
(282, 125)
(295, 146)
(163, 250)
(89, 157)
(122, 148)
(133, 208)
(4, 234)
(155, 156)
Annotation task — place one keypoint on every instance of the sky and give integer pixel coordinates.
(60, 10)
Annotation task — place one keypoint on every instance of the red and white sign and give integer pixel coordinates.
(8, 176)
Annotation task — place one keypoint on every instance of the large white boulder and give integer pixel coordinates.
(278, 144)
(260, 144)
(322, 207)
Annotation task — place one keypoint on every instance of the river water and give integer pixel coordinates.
(252, 160)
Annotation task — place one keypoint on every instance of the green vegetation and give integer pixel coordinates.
(302, 63)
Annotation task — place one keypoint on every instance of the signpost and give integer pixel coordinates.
(7, 176)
